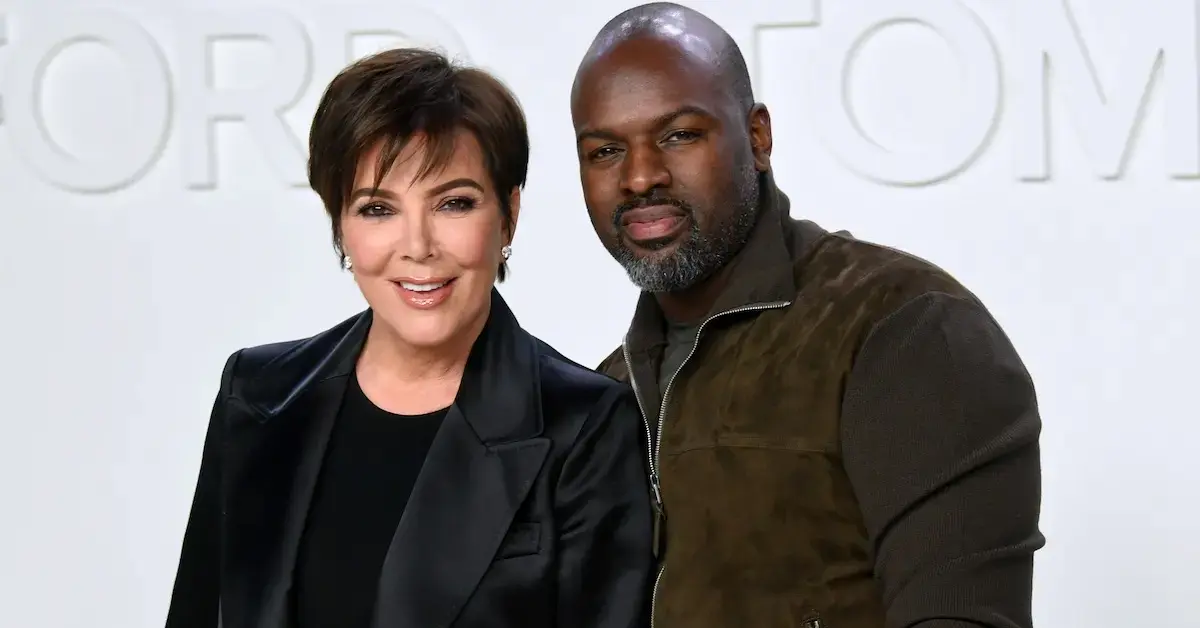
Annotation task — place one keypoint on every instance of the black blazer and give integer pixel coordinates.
(532, 510)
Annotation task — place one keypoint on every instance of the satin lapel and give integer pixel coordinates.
(461, 507)
(321, 411)
(275, 447)
(271, 480)
(279, 419)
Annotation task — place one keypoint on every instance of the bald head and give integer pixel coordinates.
(694, 35)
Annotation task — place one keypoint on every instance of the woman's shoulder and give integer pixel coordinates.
(564, 381)
(555, 363)
(258, 358)
(276, 367)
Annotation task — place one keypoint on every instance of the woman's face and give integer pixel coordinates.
(425, 251)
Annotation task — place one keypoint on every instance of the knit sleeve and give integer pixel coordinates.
(940, 432)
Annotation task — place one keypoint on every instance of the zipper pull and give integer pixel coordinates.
(659, 535)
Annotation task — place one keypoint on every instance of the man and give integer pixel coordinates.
(842, 436)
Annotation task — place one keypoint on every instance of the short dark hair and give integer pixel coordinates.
(396, 94)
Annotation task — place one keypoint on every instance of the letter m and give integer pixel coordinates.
(1106, 104)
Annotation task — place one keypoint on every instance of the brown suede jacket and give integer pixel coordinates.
(851, 443)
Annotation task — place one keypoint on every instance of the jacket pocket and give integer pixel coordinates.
(524, 538)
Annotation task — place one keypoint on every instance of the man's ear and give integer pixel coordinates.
(761, 141)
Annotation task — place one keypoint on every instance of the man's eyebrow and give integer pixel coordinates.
(658, 122)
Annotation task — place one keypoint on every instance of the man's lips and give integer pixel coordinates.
(651, 214)
(657, 222)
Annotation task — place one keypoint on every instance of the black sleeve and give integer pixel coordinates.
(940, 438)
(603, 497)
(195, 600)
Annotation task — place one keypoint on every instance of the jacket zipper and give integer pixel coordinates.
(655, 439)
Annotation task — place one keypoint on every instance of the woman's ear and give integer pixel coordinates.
(514, 204)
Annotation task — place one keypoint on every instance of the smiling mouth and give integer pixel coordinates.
(424, 286)
(424, 294)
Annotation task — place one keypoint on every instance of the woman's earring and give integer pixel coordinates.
(506, 252)
(347, 264)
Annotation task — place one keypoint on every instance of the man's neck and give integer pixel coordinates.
(689, 306)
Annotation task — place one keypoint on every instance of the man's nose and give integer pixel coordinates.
(644, 170)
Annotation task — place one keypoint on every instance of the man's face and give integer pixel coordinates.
(666, 163)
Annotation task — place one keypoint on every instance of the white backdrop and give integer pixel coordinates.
(1048, 155)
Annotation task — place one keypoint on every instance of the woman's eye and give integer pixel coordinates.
(459, 204)
(373, 210)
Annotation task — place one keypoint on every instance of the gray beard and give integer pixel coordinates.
(696, 258)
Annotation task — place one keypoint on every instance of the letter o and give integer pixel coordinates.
(966, 35)
(46, 38)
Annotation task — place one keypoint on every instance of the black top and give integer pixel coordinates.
(369, 471)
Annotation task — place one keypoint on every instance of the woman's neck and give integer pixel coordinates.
(406, 379)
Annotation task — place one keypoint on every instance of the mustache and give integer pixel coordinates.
(648, 200)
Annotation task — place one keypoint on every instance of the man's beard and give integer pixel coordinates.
(699, 255)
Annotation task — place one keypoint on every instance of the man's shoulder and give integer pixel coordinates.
(857, 269)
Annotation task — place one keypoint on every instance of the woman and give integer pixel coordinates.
(426, 463)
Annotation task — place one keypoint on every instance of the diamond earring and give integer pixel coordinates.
(506, 252)
(347, 264)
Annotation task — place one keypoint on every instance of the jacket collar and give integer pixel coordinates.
(762, 272)
(499, 395)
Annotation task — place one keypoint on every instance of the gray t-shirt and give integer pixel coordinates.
(680, 339)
